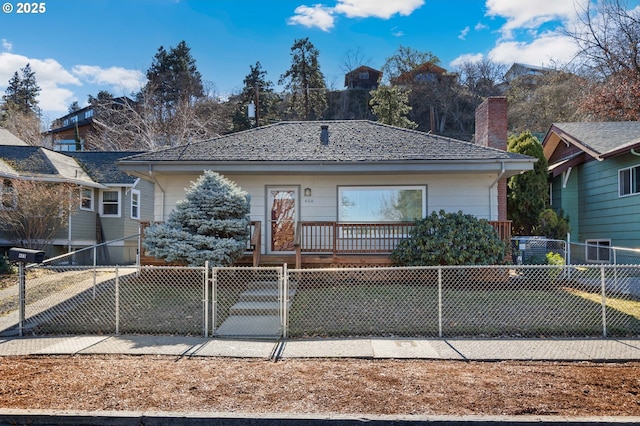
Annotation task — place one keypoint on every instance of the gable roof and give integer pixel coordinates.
(570, 144)
(8, 138)
(328, 146)
(35, 162)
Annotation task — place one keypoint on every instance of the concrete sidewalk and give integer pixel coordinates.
(597, 350)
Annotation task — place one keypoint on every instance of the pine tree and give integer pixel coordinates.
(305, 82)
(22, 93)
(391, 106)
(211, 224)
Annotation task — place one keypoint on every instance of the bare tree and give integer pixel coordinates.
(32, 212)
(608, 38)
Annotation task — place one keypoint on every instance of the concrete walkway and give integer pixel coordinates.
(596, 350)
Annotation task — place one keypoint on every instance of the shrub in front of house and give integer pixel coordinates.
(450, 239)
(211, 224)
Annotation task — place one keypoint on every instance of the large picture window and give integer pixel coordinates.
(381, 203)
(629, 181)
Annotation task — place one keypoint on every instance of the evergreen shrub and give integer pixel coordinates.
(211, 223)
(450, 239)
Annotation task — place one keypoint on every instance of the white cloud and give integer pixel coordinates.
(480, 26)
(545, 50)
(384, 9)
(464, 32)
(323, 17)
(317, 16)
(117, 77)
(6, 45)
(469, 57)
(50, 75)
(530, 14)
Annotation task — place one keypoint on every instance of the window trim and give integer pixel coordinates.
(118, 203)
(8, 183)
(91, 198)
(589, 244)
(633, 170)
(341, 188)
(137, 204)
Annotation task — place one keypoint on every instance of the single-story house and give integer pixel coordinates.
(112, 204)
(595, 179)
(330, 190)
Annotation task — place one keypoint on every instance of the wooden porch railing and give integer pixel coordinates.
(361, 238)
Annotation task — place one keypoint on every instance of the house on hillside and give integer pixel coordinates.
(518, 70)
(425, 73)
(328, 191)
(363, 77)
(69, 132)
(111, 206)
(595, 179)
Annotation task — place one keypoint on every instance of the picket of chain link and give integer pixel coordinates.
(448, 301)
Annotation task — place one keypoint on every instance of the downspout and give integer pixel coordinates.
(503, 170)
(162, 193)
(634, 152)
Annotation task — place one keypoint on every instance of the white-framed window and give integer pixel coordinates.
(381, 203)
(598, 250)
(135, 204)
(629, 181)
(86, 198)
(8, 196)
(110, 202)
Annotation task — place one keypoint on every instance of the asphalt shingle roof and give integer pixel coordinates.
(27, 159)
(603, 137)
(348, 141)
(102, 167)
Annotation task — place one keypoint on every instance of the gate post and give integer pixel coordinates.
(214, 299)
(205, 299)
(284, 297)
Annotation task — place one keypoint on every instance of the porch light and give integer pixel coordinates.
(307, 192)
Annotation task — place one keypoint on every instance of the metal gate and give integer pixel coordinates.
(250, 302)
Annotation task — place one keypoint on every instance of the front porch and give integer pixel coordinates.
(317, 244)
(334, 243)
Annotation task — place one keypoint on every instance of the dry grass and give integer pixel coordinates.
(350, 386)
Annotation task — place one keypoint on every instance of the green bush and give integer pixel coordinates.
(450, 239)
(5, 266)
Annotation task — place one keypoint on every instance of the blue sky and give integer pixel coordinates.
(78, 47)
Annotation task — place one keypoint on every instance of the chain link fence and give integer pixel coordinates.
(523, 301)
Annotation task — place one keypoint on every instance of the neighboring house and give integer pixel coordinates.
(595, 180)
(363, 77)
(338, 191)
(426, 73)
(519, 70)
(112, 204)
(69, 132)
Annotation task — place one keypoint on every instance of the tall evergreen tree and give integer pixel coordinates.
(258, 91)
(391, 106)
(305, 82)
(22, 92)
(528, 193)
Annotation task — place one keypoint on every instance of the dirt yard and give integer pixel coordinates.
(350, 387)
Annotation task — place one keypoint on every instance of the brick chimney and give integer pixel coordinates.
(491, 131)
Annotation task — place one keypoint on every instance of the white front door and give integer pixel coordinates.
(282, 216)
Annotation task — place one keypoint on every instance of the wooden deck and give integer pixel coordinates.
(319, 244)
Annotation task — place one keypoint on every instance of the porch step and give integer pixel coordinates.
(262, 295)
(253, 308)
(250, 326)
